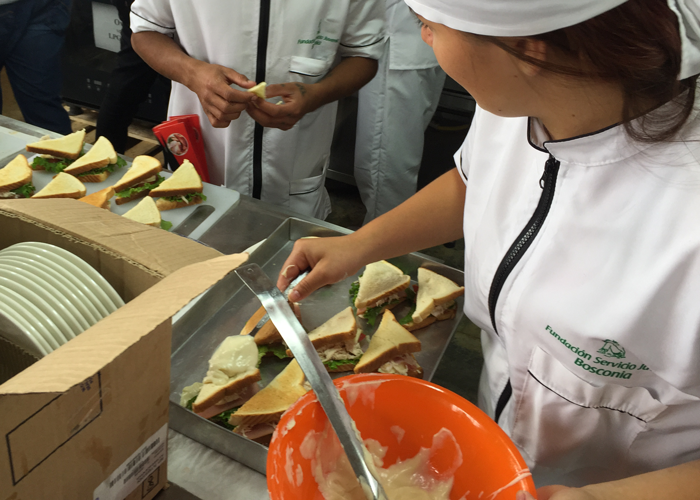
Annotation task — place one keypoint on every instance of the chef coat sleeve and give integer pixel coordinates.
(363, 35)
(152, 15)
(463, 155)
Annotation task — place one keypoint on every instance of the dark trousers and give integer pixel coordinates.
(129, 85)
(31, 40)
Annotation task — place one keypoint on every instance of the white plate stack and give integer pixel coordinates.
(50, 295)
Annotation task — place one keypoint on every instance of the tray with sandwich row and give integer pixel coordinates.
(230, 307)
(191, 221)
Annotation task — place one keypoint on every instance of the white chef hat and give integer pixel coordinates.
(533, 17)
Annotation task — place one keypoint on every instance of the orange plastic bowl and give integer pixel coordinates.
(491, 469)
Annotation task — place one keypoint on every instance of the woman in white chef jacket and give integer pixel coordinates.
(577, 192)
(310, 52)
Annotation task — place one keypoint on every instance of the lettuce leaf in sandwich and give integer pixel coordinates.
(135, 190)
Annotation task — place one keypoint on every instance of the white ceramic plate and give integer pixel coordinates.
(86, 268)
(33, 343)
(33, 315)
(48, 292)
(91, 301)
(86, 317)
(24, 339)
(63, 332)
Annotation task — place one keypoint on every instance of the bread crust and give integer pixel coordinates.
(164, 204)
(52, 152)
(227, 390)
(101, 177)
(121, 200)
(165, 193)
(15, 168)
(341, 368)
(136, 181)
(417, 326)
(79, 169)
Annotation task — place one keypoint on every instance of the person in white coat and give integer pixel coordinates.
(310, 52)
(394, 109)
(577, 192)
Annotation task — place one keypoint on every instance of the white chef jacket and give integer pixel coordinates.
(598, 323)
(304, 40)
(394, 109)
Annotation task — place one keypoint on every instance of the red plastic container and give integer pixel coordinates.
(491, 469)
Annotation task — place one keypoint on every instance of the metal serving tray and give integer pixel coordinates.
(225, 308)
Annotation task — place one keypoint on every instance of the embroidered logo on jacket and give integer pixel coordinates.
(612, 349)
(599, 365)
(318, 39)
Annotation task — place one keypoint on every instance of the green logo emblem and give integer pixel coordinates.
(612, 349)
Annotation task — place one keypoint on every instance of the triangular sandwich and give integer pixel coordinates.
(138, 181)
(337, 342)
(145, 212)
(391, 350)
(381, 286)
(230, 381)
(97, 163)
(182, 189)
(16, 178)
(62, 186)
(100, 198)
(435, 300)
(267, 338)
(57, 153)
(260, 415)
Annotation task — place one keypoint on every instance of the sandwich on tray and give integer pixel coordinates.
(97, 163)
(258, 418)
(182, 189)
(138, 181)
(337, 342)
(62, 186)
(232, 379)
(267, 338)
(435, 300)
(391, 350)
(57, 154)
(100, 198)
(381, 286)
(16, 179)
(146, 212)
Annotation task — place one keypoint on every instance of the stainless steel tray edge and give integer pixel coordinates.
(240, 449)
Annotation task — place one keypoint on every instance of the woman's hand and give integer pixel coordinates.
(330, 260)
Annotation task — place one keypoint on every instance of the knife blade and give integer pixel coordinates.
(297, 340)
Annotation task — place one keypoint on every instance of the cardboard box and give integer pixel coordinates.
(90, 420)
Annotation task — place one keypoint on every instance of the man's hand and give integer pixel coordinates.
(297, 100)
(220, 102)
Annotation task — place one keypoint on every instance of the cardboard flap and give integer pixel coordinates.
(83, 356)
(132, 241)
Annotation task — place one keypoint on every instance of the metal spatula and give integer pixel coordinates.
(275, 303)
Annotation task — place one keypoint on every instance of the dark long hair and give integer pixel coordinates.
(637, 45)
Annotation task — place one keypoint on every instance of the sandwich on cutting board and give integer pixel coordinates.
(97, 163)
(145, 212)
(232, 379)
(16, 179)
(259, 417)
(391, 350)
(100, 198)
(337, 342)
(138, 181)
(435, 300)
(182, 189)
(62, 186)
(381, 286)
(57, 154)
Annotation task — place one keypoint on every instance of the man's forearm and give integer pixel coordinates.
(348, 77)
(165, 56)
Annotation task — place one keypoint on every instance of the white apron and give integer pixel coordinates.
(592, 357)
(305, 38)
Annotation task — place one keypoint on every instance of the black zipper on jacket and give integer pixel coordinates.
(517, 250)
(261, 63)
